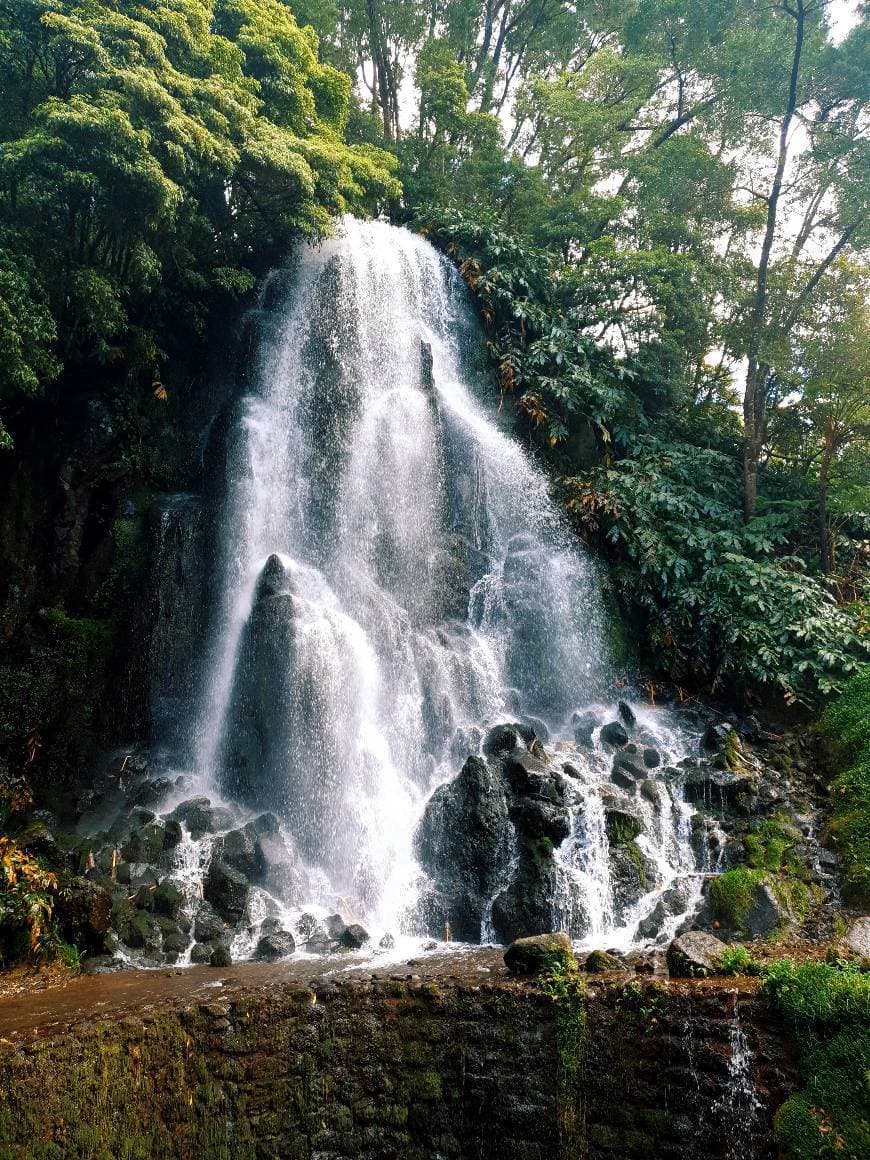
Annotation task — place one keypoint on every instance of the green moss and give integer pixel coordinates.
(769, 845)
(846, 723)
(827, 1009)
(731, 895)
(636, 854)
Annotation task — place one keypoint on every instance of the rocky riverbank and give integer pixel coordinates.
(447, 1058)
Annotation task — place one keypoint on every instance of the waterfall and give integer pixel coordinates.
(390, 576)
(383, 577)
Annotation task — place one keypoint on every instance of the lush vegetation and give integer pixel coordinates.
(828, 1010)
(639, 270)
(847, 724)
(154, 158)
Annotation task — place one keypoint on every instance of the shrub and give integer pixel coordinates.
(847, 724)
(827, 1009)
(25, 902)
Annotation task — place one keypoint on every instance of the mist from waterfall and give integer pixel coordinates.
(391, 576)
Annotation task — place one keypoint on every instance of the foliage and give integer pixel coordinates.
(847, 723)
(153, 159)
(737, 961)
(25, 900)
(717, 599)
(827, 1009)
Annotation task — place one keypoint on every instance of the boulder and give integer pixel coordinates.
(854, 946)
(621, 826)
(220, 956)
(695, 954)
(201, 817)
(538, 953)
(463, 842)
(599, 962)
(584, 725)
(168, 899)
(502, 739)
(335, 926)
(764, 914)
(83, 912)
(201, 953)
(136, 874)
(227, 890)
(208, 926)
(614, 734)
(627, 714)
(241, 849)
(354, 937)
(651, 758)
(632, 875)
(274, 945)
(145, 844)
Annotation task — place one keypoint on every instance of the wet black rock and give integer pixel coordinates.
(274, 945)
(201, 817)
(241, 850)
(695, 954)
(502, 739)
(220, 956)
(227, 890)
(584, 725)
(354, 937)
(614, 734)
(463, 844)
(631, 876)
(208, 926)
(335, 926)
(627, 714)
(652, 759)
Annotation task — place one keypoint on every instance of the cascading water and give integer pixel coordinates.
(389, 578)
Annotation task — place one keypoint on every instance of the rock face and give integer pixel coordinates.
(695, 954)
(464, 844)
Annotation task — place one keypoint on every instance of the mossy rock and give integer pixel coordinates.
(539, 953)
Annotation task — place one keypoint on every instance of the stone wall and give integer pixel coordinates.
(386, 1067)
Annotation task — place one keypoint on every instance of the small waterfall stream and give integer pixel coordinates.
(388, 578)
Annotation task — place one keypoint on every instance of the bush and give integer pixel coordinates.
(25, 903)
(827, 1009)
(847, 724)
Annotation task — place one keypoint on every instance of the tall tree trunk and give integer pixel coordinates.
(824, 472)
(754, 400)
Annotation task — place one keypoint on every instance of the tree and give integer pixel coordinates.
(154, 157)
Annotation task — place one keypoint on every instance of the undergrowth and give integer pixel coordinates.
(847, 725)
(827, 1009)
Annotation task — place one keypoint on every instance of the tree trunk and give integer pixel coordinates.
(754, 401)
